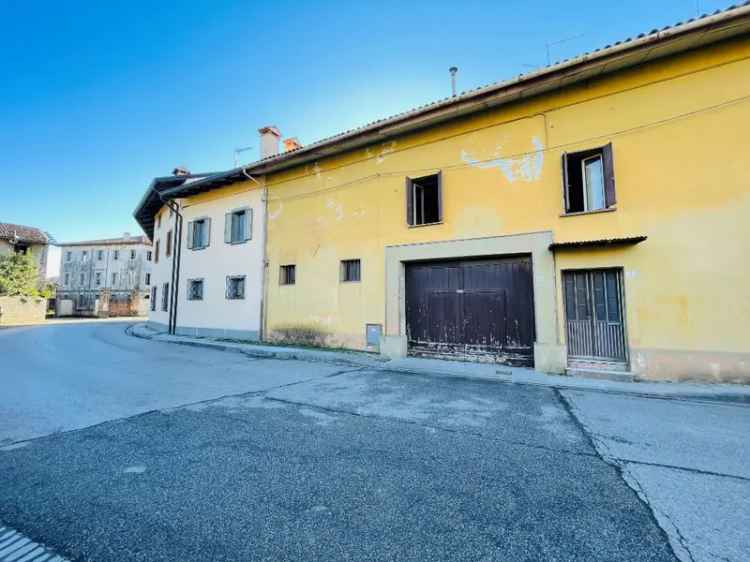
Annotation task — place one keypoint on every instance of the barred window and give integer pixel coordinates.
(195, 289)
(288, 275)
(235, 287)
(165, 297)
(350, 271)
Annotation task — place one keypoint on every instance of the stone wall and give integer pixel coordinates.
(22, 310)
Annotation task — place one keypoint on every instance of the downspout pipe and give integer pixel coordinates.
(176, 252)
(264, 263)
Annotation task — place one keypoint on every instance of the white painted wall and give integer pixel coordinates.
(219, 260)
(161, 270)
(215, 314)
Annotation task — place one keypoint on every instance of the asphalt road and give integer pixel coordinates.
(302, 461)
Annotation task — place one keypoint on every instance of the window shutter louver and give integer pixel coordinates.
(228, 228)
(189, 236)
(566, 187)
(208, 233)
(249, 224)
(409, 202)
(440, 196)
(609, 176)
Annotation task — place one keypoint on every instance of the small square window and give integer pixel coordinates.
(100, 255)
(132, 254)
(116, 255)
(424, 200)
(195, 289)
(588, 178)
(235, 287)
(350, 271)
(288, 275)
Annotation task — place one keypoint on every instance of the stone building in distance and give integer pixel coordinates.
(108, 277)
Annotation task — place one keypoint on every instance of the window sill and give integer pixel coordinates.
(239, 243)
(425, 224)
(579, 213)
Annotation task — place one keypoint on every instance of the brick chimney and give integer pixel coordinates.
(291, 144)
(269, 141)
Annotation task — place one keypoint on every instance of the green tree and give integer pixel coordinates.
(18, 275)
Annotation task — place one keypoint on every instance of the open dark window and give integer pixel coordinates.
(168, 247)
(287, 275)
(350, 271)
(153, 299)
(195, 289)
(424, 200)
(589, 180)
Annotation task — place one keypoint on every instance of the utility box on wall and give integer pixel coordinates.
(372, 336)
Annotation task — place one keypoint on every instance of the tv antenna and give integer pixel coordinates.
(558, 42)
(237, 152)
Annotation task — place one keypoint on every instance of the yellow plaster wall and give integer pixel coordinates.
(682, 177)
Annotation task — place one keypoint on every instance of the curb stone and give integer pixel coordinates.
(731, 395)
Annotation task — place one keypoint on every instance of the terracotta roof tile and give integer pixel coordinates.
(22, 233)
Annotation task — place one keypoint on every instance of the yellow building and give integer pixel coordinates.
(589, 216)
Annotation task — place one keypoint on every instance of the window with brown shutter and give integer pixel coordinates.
(424, 200)
(589, 180)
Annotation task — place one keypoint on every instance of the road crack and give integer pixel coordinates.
(603, 452)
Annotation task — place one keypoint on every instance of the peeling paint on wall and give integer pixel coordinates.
(338, 208)
(273, 215)
(526, 168)
(386, 148)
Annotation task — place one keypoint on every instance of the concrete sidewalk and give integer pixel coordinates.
(474, 371)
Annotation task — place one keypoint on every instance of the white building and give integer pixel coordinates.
(208, 257)
(108, 277)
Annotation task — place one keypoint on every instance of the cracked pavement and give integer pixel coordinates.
(160, 452)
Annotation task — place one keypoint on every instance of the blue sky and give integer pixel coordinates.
(97, 98)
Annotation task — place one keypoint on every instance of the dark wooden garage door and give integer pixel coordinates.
(474, 309)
